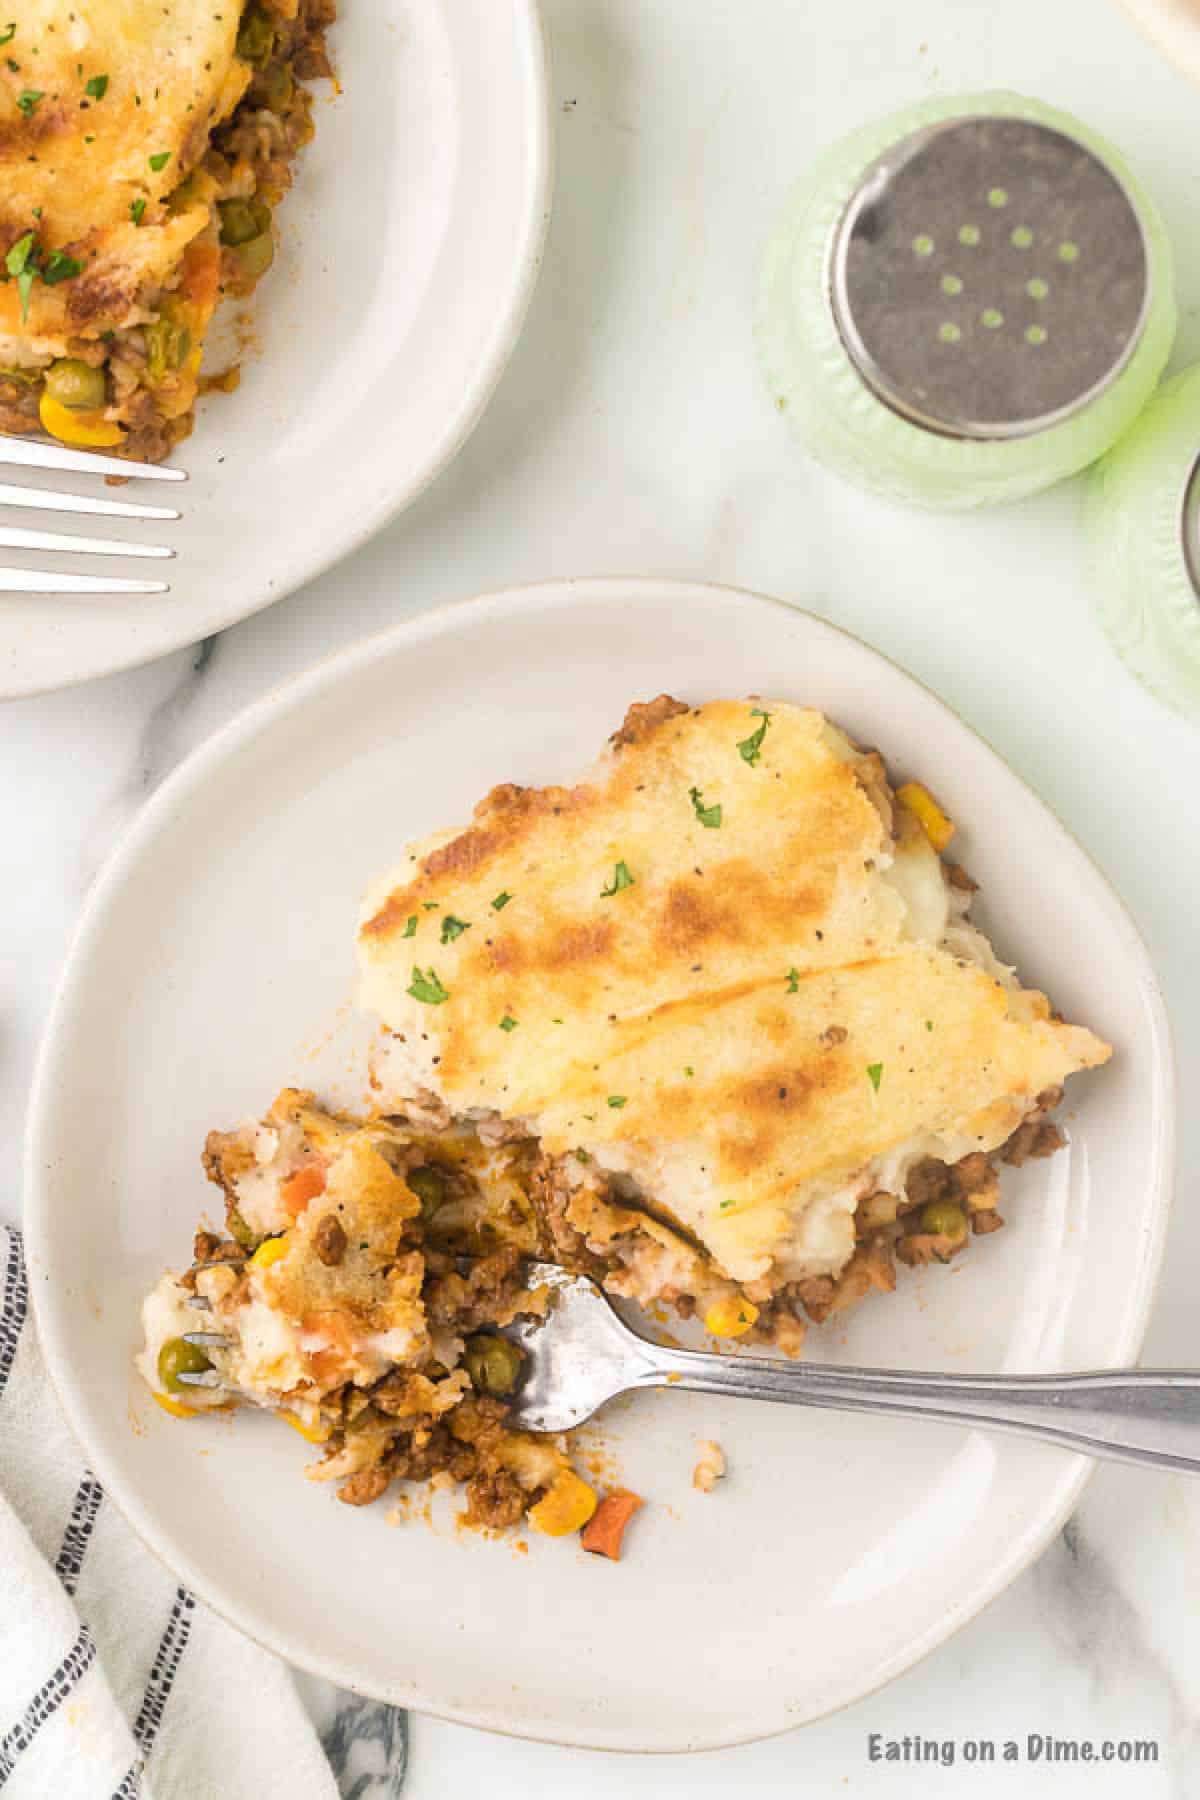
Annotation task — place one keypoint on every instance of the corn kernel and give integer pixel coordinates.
(269, 1251)
(730, 1317)
(566, 1508)
(929, 815)
(176, 1408)
(314, 1434)
(92, 431)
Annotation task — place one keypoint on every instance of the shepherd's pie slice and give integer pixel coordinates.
(711, 1028)
(728, 983)
(143, 147)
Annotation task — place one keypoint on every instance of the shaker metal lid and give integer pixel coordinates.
(989, 277)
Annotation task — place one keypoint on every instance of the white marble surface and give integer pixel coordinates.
(631, 434)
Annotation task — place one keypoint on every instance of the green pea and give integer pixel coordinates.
(429, 1185)
(256, 36)
(493, 1364)
(177, 1357)
(279, 87)
(257, 256)
(192, 191)
(168, 345)
(76, 384)
(242, 220)
(942, 1218)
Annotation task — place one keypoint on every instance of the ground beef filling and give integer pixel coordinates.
(467, 1251)
(942, 1207)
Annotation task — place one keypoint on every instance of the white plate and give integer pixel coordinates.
(409, 248)
(213, 956)
(1174, 25)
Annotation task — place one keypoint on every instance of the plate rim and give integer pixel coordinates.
(190, 775)
(1173, 29)
(534, 52)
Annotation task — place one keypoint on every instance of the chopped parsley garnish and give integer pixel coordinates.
(97, 87)
(20, 265)
(875, 1074)
(137, 211)
(410, 929)
(59, 267)
(793, 981)
(426, 987)
(726, 1204)
(160, 160)
(709, 816)
(429, 905)
(508, 1023)
(617, 1099)
(750, 747)
(621, 879)
(929, 1024)
(500, 902)
(9, 33)
(453, 928)
(689, 1071)
(28, 100)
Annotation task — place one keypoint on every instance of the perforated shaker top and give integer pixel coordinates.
(989, 277)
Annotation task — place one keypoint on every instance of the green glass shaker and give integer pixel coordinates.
(966, 302)
(1143, 526)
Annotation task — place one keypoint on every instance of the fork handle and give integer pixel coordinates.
(1148, 1416)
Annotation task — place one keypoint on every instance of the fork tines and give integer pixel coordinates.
(31, 454)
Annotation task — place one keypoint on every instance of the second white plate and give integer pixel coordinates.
(408, 252)
(212, 960)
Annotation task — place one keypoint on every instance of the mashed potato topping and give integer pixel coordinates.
(728, 968)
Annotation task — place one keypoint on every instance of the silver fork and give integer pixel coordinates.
(31, 454)
(582, 1355)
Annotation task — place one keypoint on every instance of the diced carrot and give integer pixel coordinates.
(606, 1527)
(341, 1339)
(295, 1191)
(200, 279)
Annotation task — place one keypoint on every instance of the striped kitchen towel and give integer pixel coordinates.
(115, 1682)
